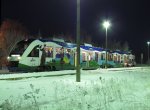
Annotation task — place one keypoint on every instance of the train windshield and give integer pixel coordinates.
(20, 47)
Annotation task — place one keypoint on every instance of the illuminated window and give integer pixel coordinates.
(49, 52)
(59, 52)
(103, 56)
(110, 57)
(68, 52)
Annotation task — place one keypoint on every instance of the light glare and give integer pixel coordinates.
(106, 24)
(8, 58)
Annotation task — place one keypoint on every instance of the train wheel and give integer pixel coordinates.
(53, 68)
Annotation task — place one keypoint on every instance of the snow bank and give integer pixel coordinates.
(111, 89)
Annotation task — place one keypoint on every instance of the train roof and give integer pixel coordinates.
(63, 44)
(91, 48)
(121, 52)
(72, 45)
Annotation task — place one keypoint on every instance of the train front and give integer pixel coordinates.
(16, 53)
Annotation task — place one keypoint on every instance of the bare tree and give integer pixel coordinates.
(70, 38)
(88, 39)
(113, 45)
(126, 46)
(39, 34)
(11, 32)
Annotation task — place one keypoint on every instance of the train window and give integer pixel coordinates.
(59, 52)
(21, 46)
(34, 52)
(49, 52)
(103, 56)
(68, 52)
(91, 56)
(115, 58)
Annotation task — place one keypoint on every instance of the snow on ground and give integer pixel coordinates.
(101, 89)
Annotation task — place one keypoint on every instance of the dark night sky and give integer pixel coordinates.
(130, 19)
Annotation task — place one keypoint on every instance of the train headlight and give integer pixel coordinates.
(15, 55)
(8, 58)
(19, 58)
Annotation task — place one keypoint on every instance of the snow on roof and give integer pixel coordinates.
(58, 39)
(86, 44)
(121, 52)
(91, 48)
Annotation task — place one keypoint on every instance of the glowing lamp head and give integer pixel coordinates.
(106, 24)
(148, 42)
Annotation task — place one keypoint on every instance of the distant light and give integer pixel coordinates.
(148, 42)
(106, 24)
(26, 39)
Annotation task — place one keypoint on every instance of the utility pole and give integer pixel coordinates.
(141, 58)
(148, 51)
(106, 50)
(78, 42)
(106, 25)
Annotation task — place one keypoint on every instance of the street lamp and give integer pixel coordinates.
(106, 25)
(78, 42)
(148, 50)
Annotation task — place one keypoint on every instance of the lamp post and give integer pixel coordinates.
(78, 42)
(148, 50)
(106, 25)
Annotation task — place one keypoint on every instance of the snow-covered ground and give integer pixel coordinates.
(101, 89)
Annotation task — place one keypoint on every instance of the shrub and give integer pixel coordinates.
(108, 65)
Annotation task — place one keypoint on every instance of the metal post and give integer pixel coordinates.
(141, 58)
(78, 42)
(148, 53)
(106, 50)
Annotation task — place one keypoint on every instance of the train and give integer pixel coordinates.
(61, 55)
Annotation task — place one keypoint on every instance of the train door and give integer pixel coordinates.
(83, 56)
(119, 58)
(96, 56)
(33, 58)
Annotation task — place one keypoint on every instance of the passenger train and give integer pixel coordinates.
(26, 55)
